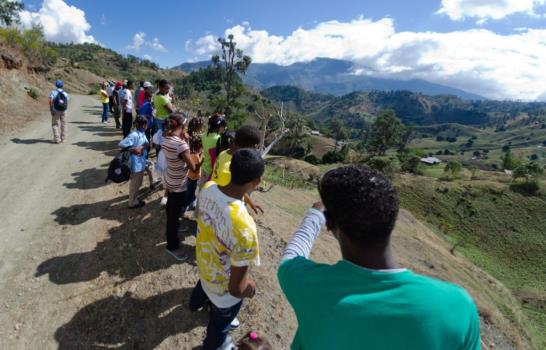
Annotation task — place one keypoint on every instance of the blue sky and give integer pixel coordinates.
(386, 35)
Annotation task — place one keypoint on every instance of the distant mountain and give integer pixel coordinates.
(331, 76)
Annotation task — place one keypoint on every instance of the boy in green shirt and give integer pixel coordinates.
(365, 301)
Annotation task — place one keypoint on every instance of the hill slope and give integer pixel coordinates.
(330, 76)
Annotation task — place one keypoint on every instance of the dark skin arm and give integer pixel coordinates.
(240, 286)
(255, 207)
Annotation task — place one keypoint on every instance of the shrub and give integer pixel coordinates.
(453, 167)
(312, 159)
(331, 157)
(530, 188)
(93, 90)
(386, 165)
(413, 165)
(32, 92)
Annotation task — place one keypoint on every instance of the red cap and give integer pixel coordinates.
(119, 84)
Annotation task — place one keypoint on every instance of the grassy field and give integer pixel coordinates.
(523, 141)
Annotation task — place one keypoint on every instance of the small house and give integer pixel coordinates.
(431, 160)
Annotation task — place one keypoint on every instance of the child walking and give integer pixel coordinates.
(138, 145)
(226, 247)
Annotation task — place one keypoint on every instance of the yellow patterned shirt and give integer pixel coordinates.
(226, 236)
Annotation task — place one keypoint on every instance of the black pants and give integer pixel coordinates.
(127, 123)
(176, 201)
(219, 318)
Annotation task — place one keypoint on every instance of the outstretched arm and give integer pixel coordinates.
(305, 236)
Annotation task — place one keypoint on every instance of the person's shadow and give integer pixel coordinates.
(133, 248)
(130, 323)
(30, 141)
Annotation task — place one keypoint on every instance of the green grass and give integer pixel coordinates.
(283, 177)
(524, 141)
(500, 231)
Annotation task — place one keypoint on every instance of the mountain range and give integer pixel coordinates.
(331, 76)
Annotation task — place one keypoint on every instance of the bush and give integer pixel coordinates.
(312, 159)
(93, 90)
(385, 165)
(413, 165)
(453, 167)
(32, 92)
(529, 188)
(331, 157)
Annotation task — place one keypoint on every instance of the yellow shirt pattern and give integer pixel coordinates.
(226, 236)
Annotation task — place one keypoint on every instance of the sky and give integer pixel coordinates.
(494, 48)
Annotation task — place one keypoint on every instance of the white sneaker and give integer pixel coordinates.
(228, 344)
(163, 202)
(235, 323)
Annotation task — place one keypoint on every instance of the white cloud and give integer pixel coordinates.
(483, 10)
(60, 21)
(148, 57)
(477, 60)
(139, 39)
(156, 45)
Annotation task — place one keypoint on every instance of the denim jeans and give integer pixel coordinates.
(219, 318)
(158, 124)
(105, 112)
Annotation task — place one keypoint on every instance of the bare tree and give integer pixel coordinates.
(279, 133)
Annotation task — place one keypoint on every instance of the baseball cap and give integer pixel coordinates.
(147, 84)
(119, 84)
(59, 84)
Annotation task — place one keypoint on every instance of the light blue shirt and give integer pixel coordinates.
(135, 139)
(54, 94)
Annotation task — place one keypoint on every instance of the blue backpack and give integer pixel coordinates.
(60, 102)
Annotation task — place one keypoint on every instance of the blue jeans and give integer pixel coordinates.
(219, 318)
(105, 107)
(158, 124)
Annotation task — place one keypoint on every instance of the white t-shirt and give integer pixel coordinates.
(128, 96)
(110, 90)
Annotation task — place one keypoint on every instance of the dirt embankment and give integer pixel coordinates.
(19, 79)
(78, 270)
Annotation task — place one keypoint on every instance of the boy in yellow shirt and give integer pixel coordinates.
(226, 248)
(245, 137)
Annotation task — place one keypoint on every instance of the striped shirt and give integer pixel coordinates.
(177, 169)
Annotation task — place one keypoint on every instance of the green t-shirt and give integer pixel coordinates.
(209, 150)
(160, 101)
(345, 306)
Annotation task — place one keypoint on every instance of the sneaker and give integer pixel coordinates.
(177, 254)
(228, 344)
(163, 202)
(235, 323)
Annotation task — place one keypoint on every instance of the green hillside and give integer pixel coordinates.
(497, 229)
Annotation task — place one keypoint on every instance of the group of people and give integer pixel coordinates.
(364, 301)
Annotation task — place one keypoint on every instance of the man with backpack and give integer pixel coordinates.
(58, 104)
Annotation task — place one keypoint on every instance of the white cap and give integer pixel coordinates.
(147, 84)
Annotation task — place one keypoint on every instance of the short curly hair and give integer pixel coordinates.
(361, 202)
